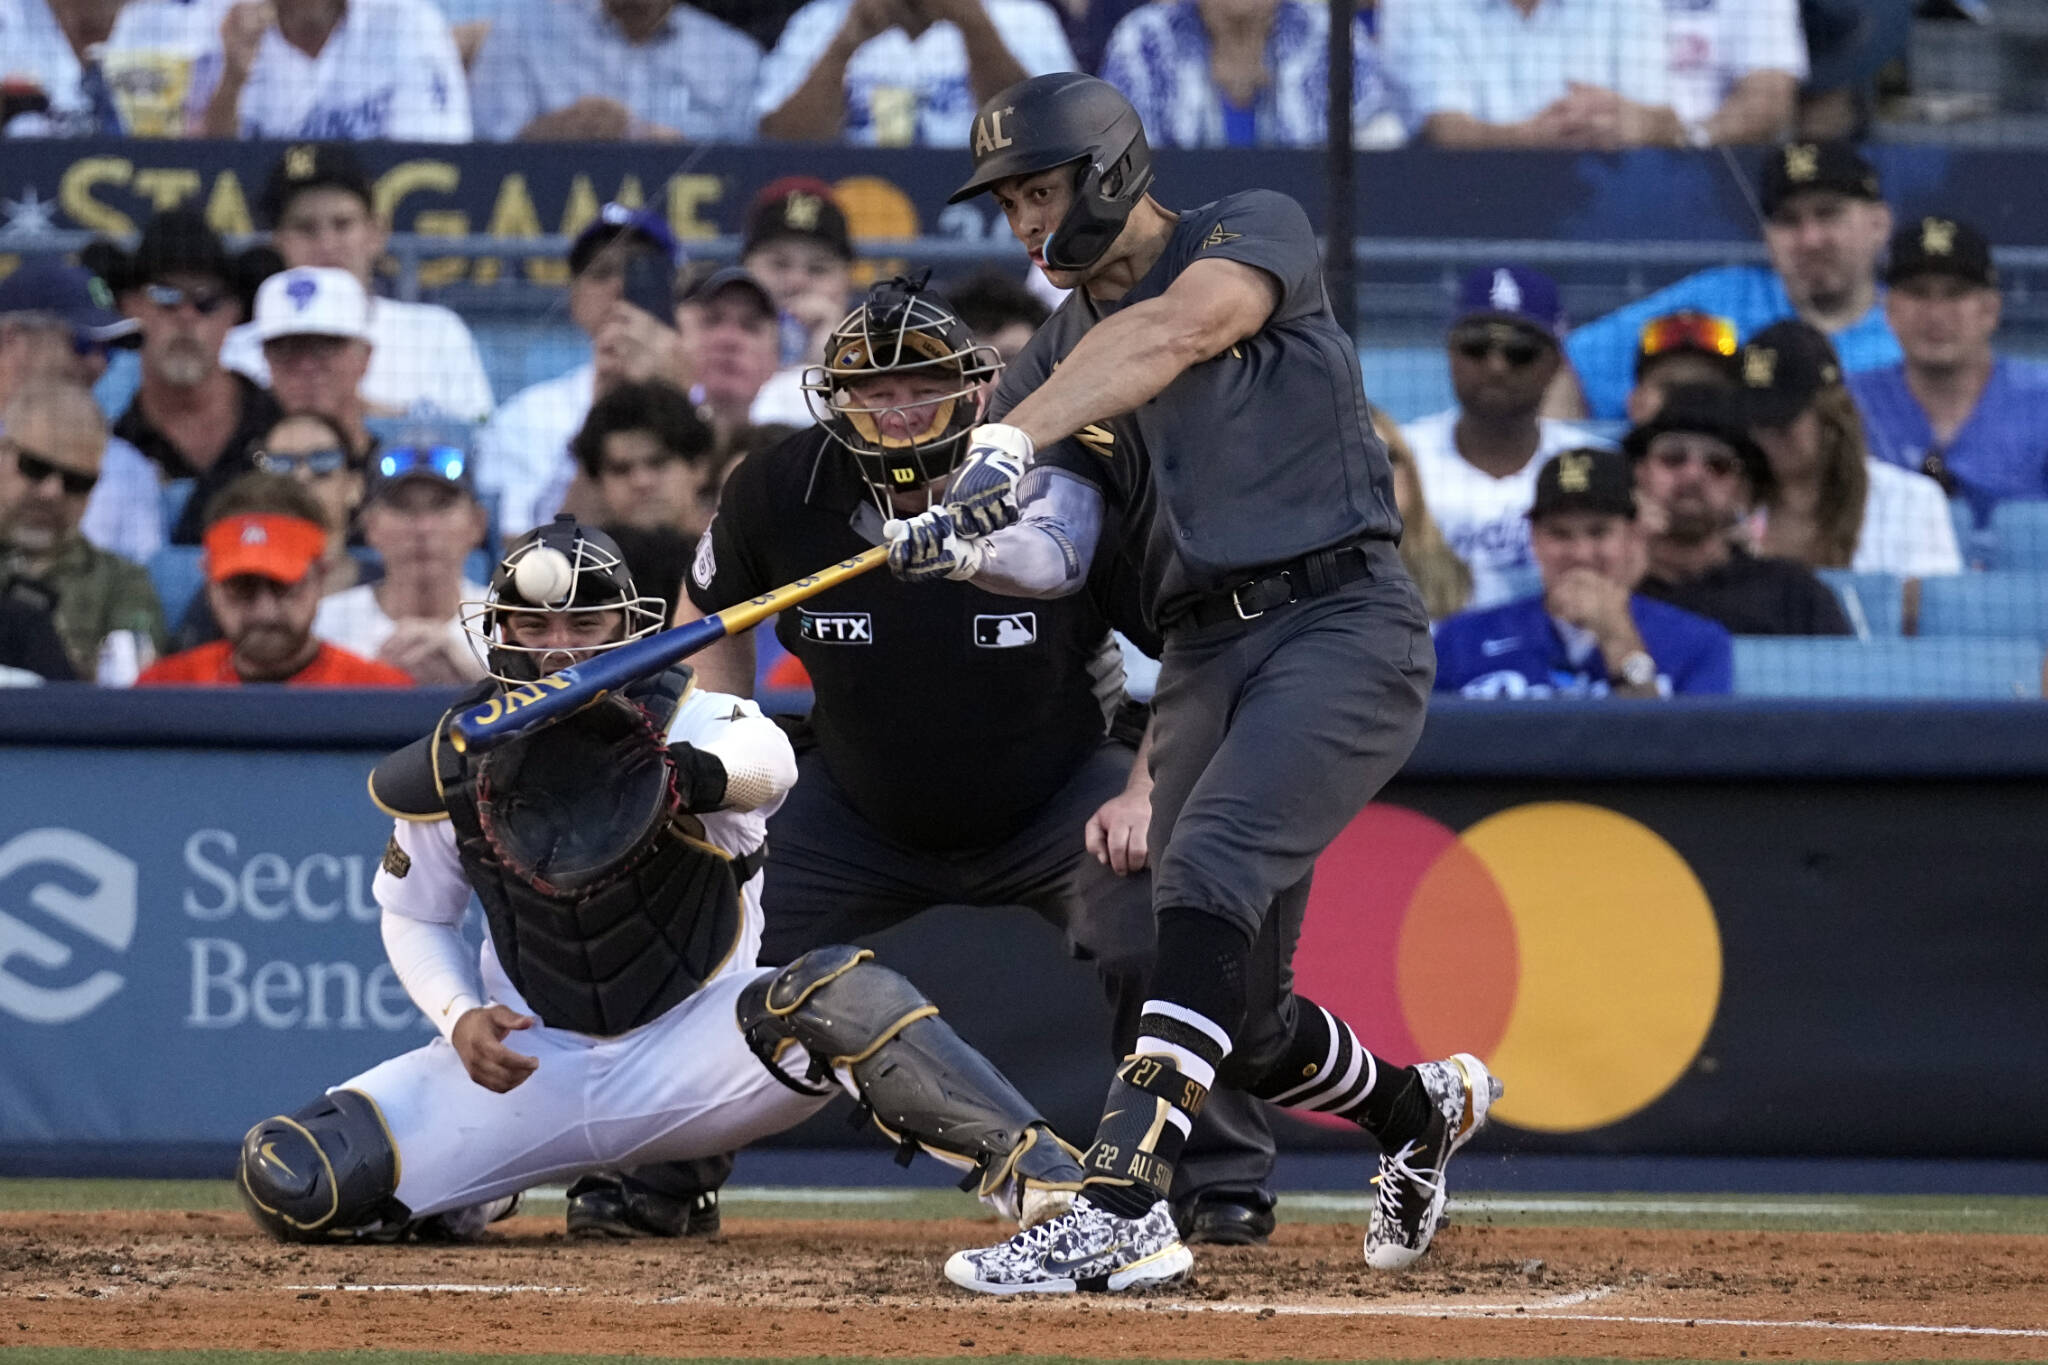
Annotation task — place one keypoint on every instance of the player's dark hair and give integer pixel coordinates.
(989, 302)
(277, 495)
(661, 409)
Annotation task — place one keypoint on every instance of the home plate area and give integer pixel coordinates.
(838, 1287)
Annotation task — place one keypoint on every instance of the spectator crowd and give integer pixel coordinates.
(308, 480)
(1202, 73)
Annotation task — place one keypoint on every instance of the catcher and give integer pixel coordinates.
(619, 1017)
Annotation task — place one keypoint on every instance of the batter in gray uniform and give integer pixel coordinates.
(1196, 382)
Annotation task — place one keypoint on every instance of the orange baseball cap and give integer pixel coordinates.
(279, 548)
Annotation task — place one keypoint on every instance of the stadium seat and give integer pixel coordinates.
(1875, 603)
(1805, 666)
(2010, 604)
(2019, 530)
(176, 572)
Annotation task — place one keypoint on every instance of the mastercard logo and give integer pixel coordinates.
(1569, 946)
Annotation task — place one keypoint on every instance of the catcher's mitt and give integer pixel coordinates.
(578, 804)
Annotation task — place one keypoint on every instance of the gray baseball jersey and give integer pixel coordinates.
(1258, 456)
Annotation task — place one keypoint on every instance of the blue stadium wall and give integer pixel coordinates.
(1698, 928)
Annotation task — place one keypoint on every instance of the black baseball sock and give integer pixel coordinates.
(1326, 1069)
(1197, 1002)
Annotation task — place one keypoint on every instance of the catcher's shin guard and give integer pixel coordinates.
(925, 1086)
(323, 1173)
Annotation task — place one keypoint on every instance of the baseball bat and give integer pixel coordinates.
(519, 709)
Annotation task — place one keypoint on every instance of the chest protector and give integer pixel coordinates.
(605, 903)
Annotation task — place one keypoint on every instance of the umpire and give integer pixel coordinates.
(1033, 690)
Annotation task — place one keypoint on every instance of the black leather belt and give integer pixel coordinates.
(1312, 575)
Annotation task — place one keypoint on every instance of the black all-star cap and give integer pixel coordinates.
(1941, 246)
(1797, 167)
(1588, 479)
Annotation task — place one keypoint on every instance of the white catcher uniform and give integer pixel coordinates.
(417, 1137)
(684, 1085)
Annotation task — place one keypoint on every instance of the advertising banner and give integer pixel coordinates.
(1670, 929)
(532, 190)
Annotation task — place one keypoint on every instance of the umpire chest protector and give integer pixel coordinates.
(606, 905)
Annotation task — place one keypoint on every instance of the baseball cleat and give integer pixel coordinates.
(1410, 1182)
(1085, 1250)
(609, 1206)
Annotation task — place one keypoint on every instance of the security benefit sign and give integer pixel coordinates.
(187, 941)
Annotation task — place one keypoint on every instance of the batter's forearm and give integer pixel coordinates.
(1127, 360)
(1047, 553)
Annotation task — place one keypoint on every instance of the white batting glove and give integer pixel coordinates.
(982, 498)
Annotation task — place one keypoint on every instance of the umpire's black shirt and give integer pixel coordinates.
(945, 713)
(1256, 457)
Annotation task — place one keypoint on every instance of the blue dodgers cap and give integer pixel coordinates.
(1512, 293)
(69, 292)
(614, 221)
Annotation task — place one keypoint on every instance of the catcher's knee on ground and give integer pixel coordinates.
(321, 1173)
(880, 1036)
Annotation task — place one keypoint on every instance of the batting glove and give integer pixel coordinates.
(927, 548)
(983, 495)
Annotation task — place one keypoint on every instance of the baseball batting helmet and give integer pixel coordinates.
(901, 328)
(1060, 120)
(597, 581)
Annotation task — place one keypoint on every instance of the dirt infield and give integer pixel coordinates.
(785, 1287)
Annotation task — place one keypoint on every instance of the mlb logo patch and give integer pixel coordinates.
(1012, 630)
(836, 627)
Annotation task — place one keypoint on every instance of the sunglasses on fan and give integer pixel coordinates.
(1517, 348)
(36, 469)
(1701, 332)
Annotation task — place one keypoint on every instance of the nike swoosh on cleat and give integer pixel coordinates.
(1060, 1266)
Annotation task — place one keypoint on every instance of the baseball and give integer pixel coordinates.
(543, 575)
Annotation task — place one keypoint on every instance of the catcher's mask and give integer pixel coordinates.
(600, 582)
(574, 806)
(901, 329)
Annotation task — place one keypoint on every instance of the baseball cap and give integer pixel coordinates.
(718, 281)
(1941, 246)
(614, 221)
(179, 241)
(266, 544)
(1783, 368)
(1797, 167)
(313, 166)
(798, 206)
(1588, 479)
(312, 300)
(1511, 293)
(70, 292)
(1706, 411)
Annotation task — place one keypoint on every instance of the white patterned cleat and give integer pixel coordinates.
(1410, 1182)
(1085, 1250)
